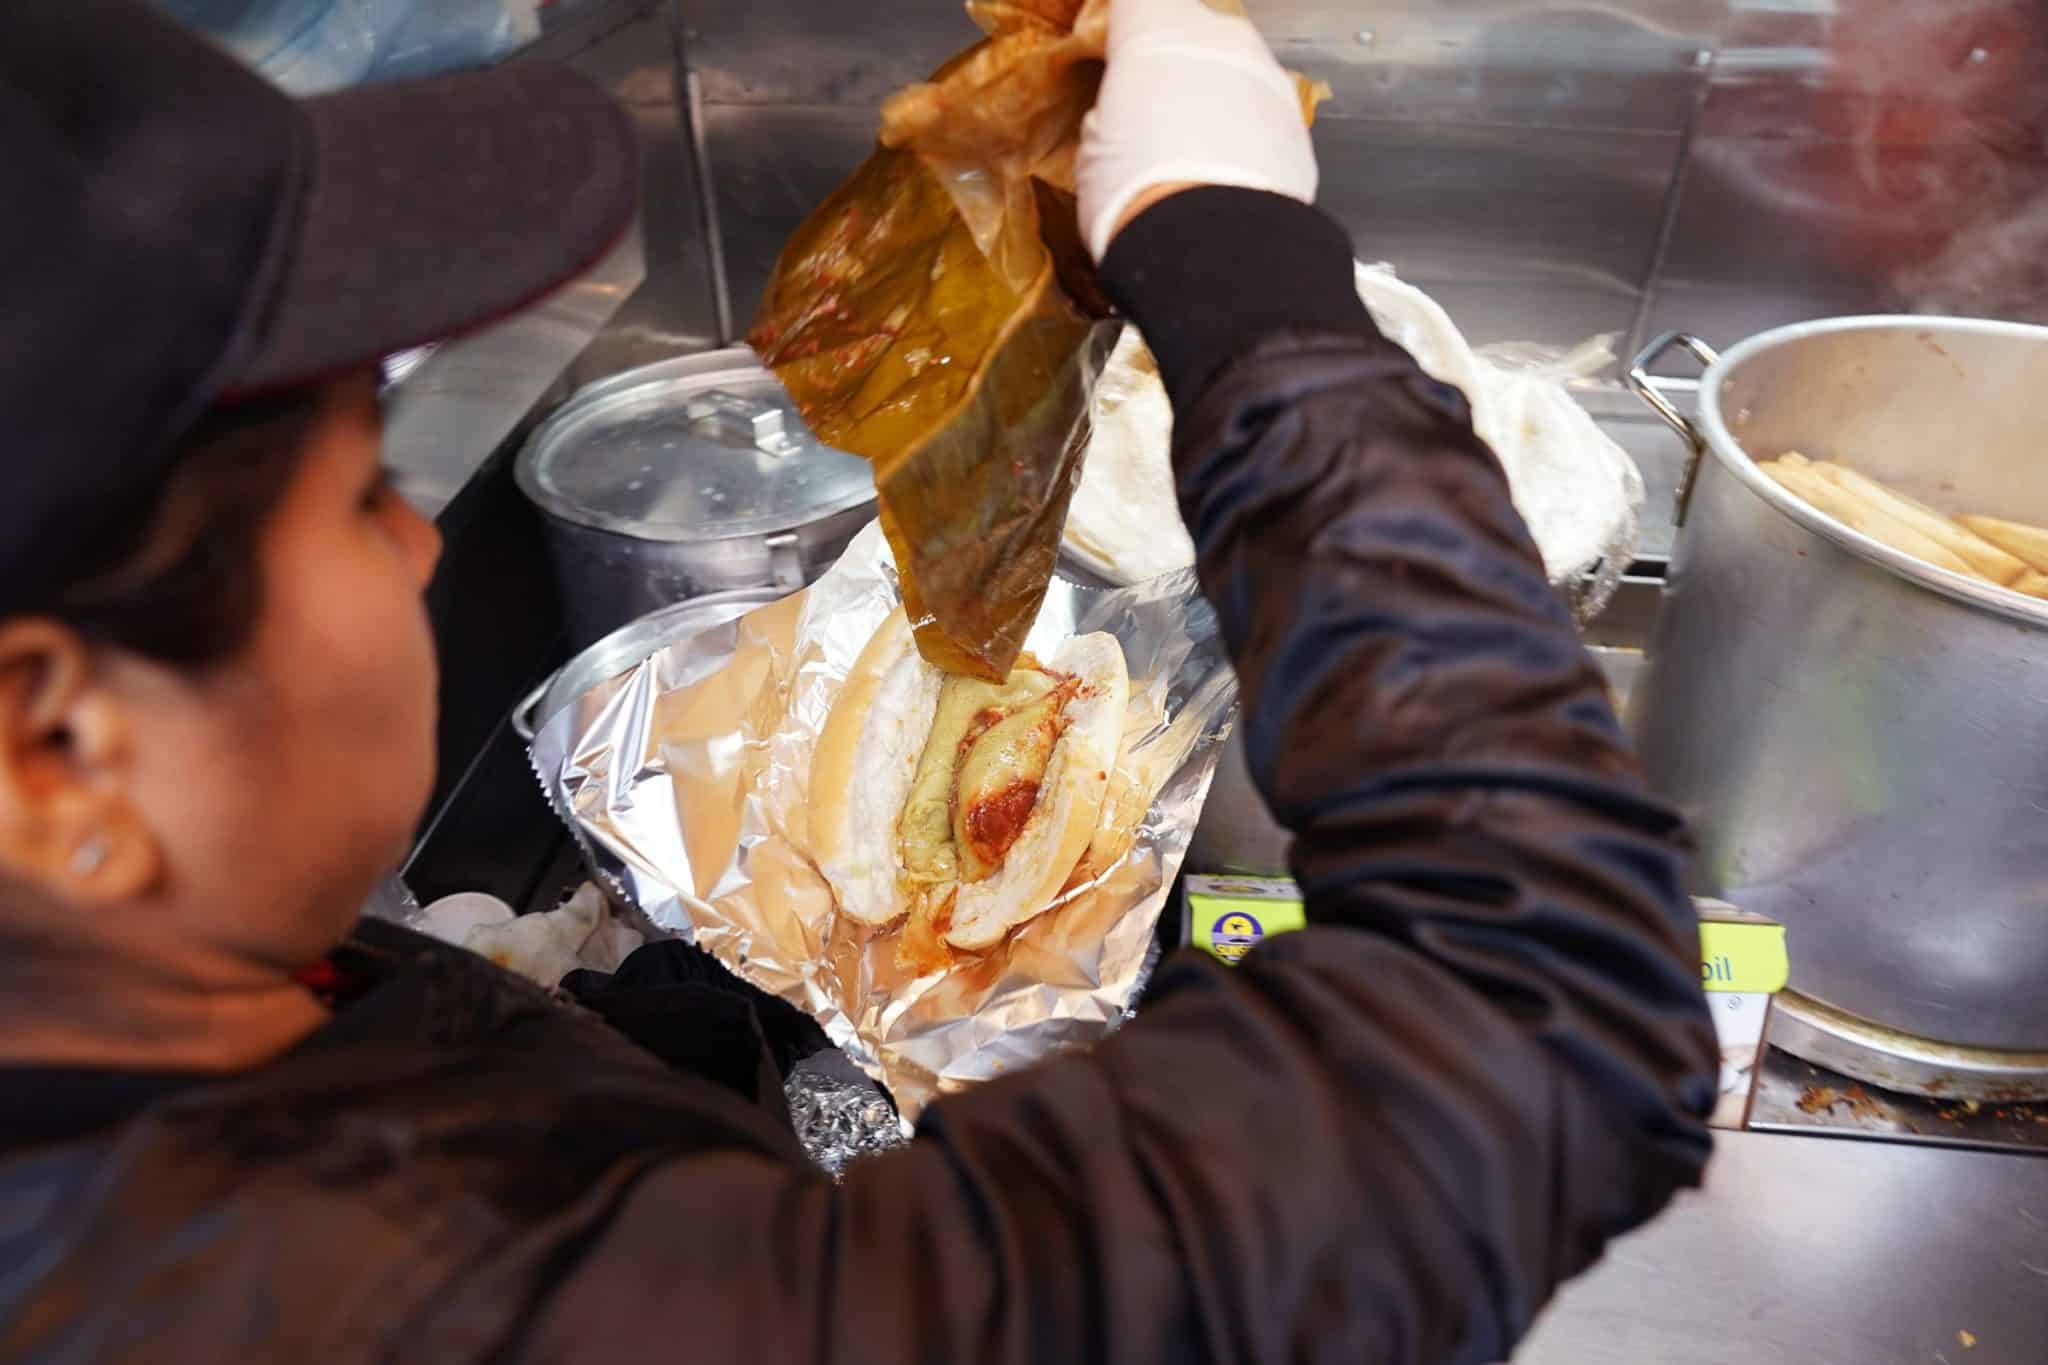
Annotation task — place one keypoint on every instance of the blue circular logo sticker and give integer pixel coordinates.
(1234, 935)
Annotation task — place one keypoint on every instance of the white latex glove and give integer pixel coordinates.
(1191, 97)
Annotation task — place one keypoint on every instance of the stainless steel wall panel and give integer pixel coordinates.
(1658, 100)
(771, 165)
(1532, 235)
(1774, 215)
(1519, 62)
(671, 313)
(1550, 168)
(1475, 144)
(1550, 314)
(818, 51)
(1723, 314)
(1863, 227)
(1484, 204)
(1558, 33)
(1629, 64)
(1868, 155)
(1883, 70)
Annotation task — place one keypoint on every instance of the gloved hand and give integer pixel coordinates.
(1192, 97)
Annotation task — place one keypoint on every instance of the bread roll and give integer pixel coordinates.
(867, 762)
(862, 770)
(1062, 824)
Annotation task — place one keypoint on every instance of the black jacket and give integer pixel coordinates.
(1388, 1137)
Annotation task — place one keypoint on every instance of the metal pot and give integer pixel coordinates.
(1860, 739)
(686, 477)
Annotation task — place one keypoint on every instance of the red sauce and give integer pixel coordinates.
(994, 825)
(984, 721)
(996, 822)
(922, 947)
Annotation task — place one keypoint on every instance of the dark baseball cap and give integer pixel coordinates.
(176, 234)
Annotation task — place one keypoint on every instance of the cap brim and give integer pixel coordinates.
(435, 207)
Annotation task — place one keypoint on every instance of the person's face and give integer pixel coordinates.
(314, 749)
(256, 804)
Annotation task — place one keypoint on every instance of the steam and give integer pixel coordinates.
(1994, 268)
(1948, 118)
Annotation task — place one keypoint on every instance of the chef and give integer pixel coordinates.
(237, 1126)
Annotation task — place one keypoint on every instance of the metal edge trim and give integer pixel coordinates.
(1826, 1036)
(626, 648)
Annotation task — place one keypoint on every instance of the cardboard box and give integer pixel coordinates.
(1743, 964)
(1228, 916)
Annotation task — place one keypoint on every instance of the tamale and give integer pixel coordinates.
(933, 316)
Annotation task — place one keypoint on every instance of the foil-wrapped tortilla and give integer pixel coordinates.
(686, 780)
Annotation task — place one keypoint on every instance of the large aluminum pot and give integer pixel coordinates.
(1861, 740)
(687, 477)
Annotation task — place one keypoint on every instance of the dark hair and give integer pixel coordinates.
(184, 586)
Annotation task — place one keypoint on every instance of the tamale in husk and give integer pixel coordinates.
(934, 317)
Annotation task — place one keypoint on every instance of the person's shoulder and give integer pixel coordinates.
(448, 1113)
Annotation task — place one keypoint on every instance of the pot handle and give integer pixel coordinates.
(1639, 383)
(523, 723)
(761, 425)
(785, 561)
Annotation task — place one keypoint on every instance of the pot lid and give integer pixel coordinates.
(704, 447)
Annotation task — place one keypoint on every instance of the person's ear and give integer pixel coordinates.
(66, 823)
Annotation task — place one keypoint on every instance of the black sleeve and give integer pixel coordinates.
(1386, 1138)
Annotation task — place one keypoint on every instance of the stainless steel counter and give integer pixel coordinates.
(1823, 1251)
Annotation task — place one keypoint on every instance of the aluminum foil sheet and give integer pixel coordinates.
(685, 779)
(840, 1118)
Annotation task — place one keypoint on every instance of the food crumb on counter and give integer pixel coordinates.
(1821, 1099)
(1968, 1339)
(1817, 1099)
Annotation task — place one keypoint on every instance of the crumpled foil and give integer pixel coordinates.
(685, 778)
(839, 1118)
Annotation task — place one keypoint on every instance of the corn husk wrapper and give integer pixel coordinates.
(935, 316)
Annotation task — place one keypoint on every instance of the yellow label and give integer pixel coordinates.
(1231, 926)
(1743, 958)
